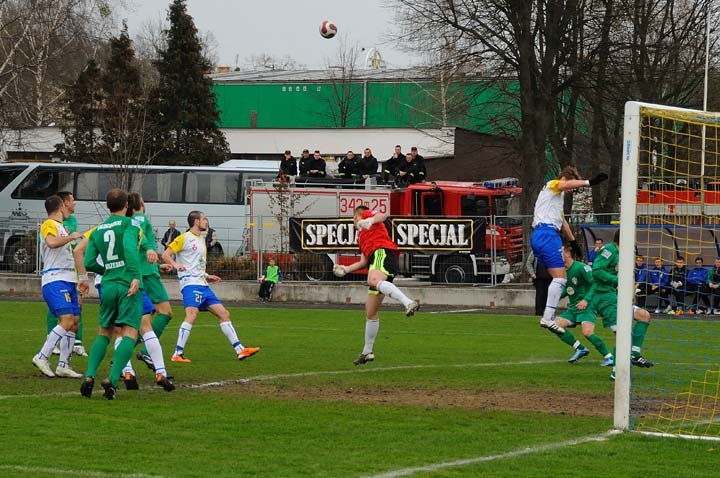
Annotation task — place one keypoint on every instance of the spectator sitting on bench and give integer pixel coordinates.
(348, 167)
(658, 284)
(697, 279)
(678, 284)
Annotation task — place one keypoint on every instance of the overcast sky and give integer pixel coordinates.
(284, 27)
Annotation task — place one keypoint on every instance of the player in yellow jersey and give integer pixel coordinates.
(59, 289)
(190, 258)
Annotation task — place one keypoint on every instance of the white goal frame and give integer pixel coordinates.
(626, 280)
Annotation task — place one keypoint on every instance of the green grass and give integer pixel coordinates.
(419, 403)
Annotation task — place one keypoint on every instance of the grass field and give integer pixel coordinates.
(492, 390)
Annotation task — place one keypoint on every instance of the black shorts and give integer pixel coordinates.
(385, 261)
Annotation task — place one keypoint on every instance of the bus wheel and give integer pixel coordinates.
(315, 267)
(456, 270)
(20, 255)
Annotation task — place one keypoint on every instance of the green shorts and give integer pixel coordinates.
(606, 306)
(575, 316)
(116, 308)
(154, 288)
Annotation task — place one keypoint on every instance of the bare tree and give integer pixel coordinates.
(267, 61)
(344, 100)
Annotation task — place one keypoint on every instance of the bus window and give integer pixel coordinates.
(44, 182)
(8, 174)
(471, 205)
(212, 188)
(159, 186)
(93, 185)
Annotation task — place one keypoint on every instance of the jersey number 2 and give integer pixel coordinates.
(109, 237)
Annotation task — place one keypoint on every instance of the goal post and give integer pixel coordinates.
(669, 213)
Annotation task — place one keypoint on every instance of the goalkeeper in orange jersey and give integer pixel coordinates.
(381, 254)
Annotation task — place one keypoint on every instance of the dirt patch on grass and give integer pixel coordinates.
(577, 404)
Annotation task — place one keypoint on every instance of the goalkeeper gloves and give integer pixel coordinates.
(364, 223)
(597, 179)
(339, 270)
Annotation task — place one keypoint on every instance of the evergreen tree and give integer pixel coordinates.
(183, 104)
(82, 115)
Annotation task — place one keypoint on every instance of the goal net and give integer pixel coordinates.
(670, 216)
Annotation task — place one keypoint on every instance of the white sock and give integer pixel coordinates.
(576, 344)
(155, 350)
(51, 341)
(389, 289)
(554, 292)
(66, 346)
(371, 331)
(183, 334)
(128, 366)
(229, 331)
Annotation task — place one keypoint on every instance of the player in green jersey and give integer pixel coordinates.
(603, 297)
(70, 225)
(579, 281)
(116, 240)
(149, 268)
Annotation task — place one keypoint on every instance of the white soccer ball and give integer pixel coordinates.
(328, 29)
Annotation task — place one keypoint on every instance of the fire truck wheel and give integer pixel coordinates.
(315, 267)
(19, 255)
(456, 270)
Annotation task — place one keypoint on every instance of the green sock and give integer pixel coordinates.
(120, 359)
(97, 354)
(568, 338)
(79, 333)
(51, 322)
(599, 344)
(160, 321)
(638, 336)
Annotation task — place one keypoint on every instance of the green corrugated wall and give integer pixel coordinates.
(470, 105)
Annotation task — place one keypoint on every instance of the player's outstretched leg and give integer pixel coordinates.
(554, 292)
(184, 335)
(228, 329)
(642, 322)
(372, 325)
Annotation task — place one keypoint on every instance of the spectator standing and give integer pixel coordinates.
(269, 281)
(540, 279)
(348, 167)
(212, 245)
(316, 166)
(305, 161)
(288, 166)
(368, 164)
(170, 234)
(390, 167)
(591, 254)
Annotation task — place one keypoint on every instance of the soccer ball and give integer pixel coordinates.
(328, 29)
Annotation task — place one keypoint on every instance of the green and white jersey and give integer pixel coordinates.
(147, 243)
(604, 271)
(70, 224)
(116, 240)
(579, 281)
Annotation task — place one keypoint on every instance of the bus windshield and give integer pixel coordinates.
(7, 174)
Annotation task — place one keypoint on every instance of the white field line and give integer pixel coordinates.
(261, 378)
(81, 473)
(500, 456)
(679, 435)
(455, 311)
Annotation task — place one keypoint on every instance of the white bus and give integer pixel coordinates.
(170, 192)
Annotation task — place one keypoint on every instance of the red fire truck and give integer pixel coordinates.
(423, 215)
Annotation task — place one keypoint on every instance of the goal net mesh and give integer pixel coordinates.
(678, 220)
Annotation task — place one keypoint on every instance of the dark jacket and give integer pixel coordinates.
(368, 165)
(414, 172)
(304, 165)
(169, 236)
(318, 164)
(288, 167)
(714, 276)
(641, 274)
(390, 167)
(347, 169)
(679, 274)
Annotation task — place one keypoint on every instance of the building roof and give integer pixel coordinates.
(276, 76)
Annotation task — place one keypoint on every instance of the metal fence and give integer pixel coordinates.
(240, 248)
